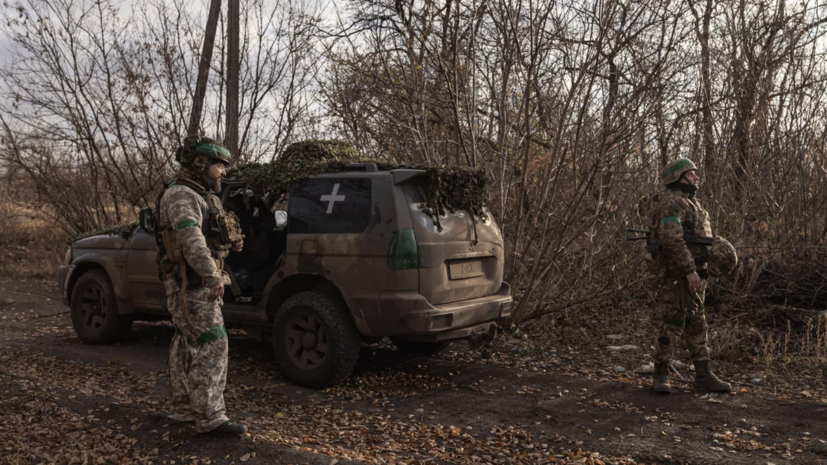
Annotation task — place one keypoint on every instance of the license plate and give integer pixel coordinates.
(465, 270)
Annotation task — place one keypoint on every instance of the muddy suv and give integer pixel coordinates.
(354, 258)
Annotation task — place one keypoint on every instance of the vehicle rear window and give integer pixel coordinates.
(330, 206)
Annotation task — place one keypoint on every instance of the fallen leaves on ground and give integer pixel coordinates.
(36, 427)
(43, 425)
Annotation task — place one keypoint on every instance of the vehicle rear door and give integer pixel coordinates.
(462, 260)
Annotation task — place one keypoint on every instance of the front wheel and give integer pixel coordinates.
(94, 310)
(315, 341)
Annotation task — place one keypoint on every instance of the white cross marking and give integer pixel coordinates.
(332, 198)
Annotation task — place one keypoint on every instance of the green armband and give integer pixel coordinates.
(186, 224)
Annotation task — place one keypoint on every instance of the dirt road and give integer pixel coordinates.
(64, 401)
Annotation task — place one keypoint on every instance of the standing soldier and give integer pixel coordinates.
(194, 236)
(683, 264)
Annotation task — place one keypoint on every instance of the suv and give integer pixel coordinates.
(354, 258)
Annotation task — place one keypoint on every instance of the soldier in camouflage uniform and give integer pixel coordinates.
(194, 236)
(682, 269)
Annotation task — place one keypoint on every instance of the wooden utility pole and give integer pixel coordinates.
(204, 67)
(231, 132)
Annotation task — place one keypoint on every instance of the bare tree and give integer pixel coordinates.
(95, 104)
(573, 109)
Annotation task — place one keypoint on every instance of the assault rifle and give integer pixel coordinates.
(689, 238)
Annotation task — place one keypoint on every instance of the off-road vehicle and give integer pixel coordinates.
(354, 258)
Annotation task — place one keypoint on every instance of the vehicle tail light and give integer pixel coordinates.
(402, 251)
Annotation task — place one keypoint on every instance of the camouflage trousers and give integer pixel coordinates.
(198, 360)
(680, 316)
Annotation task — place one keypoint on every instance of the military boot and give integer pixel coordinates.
(228, 429)
(660, 382)
(707, 381)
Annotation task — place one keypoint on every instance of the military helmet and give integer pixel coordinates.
(195, 145)
(675, 168)
(722, 257)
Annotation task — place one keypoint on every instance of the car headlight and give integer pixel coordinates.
(68, 257)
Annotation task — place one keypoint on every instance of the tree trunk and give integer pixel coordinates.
(204, 68)
(231, 133)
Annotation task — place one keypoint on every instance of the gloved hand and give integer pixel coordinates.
(216, 292)
(694, 282)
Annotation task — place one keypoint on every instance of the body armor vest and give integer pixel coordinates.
(220, 229)
(694, 221)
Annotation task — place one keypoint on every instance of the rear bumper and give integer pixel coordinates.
(410, 315)
(63, 273)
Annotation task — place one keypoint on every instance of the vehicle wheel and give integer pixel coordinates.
(94, 310)
(420, 347)
(315, 341)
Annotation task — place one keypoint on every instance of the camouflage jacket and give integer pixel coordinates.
(673, 215)
(186, 211)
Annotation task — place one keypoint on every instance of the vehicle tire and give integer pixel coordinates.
(94, 310)
(420, 347)
(315, 341)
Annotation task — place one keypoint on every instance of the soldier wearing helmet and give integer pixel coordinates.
(683, 269)
(194, 236)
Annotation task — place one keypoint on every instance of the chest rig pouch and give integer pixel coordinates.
(223, 228)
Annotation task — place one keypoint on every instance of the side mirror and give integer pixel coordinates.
(146, 220)
(281, 220)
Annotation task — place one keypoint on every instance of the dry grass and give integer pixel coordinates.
(31, 245)
(791, 356)
(31, 252)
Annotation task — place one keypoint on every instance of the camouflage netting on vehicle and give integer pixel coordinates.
(447, 188)
(124, 230)
(297, 162)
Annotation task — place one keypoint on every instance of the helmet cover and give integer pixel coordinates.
(195, 145)
(722, 257)
(673, 170)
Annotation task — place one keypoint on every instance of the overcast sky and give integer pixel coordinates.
(327, 10)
